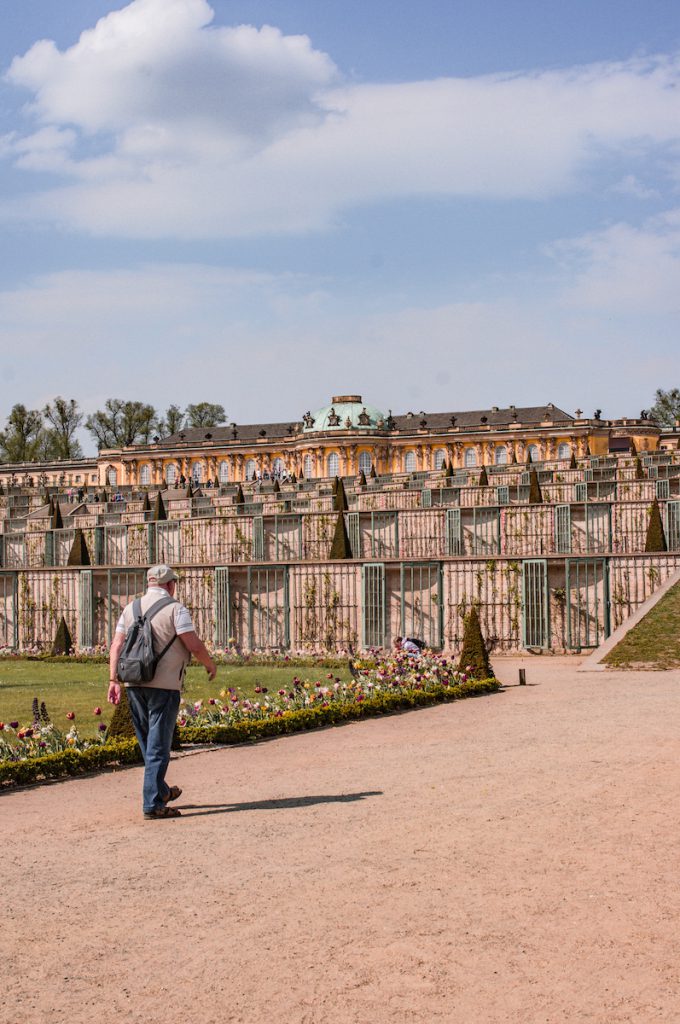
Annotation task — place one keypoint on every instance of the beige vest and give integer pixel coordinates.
(170, 671)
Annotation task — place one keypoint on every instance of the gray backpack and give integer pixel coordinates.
(137, 663)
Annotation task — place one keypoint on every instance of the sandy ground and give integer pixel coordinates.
(510, 859)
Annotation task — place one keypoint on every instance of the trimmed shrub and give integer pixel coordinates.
(362, 478)
(340, 547)
(513, 458)
(373, 473)
(69, 762)
(56, 522)
(483, 478)
(159, 512)
(339, 496)
(632, 447)
(238, 497)
(639, 469)
(146, 507)
(572, 461)
(656, 538)
(535, 493)
(63, 643)
(276, 488)
(474, 659)
(79, 554)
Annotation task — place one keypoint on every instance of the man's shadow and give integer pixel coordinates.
(193, 810)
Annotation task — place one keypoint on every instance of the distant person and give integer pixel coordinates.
(409, 645)
(154, 705)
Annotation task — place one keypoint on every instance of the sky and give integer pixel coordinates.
(442, 206)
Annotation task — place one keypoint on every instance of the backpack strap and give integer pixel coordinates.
(153, 610)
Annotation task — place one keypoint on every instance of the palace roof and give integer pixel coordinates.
(405, 423)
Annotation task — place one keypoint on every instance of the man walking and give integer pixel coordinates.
(154, 705)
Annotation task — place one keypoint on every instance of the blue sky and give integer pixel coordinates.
(440, 206)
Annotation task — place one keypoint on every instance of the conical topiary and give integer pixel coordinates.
(190, 489)
(572, 461)
(121, 726)
(632, 447)
(159, 512)
(216, 482)
(656, 538)
(146, 506)
(340, 547)
(276, 488)
(474, 659)
(513, 458)
(63, 644)
(362, 478)
(340, 497)
(639, 470)
(535, 493)
(238, 497)
(293, 478)
(529, 459)
(372, 472)
(588, 453)
(56, 522)
(79, 554)
(483, 478)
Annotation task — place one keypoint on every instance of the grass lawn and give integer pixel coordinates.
(655, 641)
(82, 687)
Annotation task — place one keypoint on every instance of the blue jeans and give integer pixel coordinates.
(154, 713)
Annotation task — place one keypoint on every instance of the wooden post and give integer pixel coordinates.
(522, 677)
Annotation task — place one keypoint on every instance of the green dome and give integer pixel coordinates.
(346, 412)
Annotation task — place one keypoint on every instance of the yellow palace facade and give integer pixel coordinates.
(347, 437)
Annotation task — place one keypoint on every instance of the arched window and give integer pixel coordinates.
(501, 455)
(533, 452)
(470, 457)
(410, 462)
(112, 477)
(278, 467)
(250, 469)
(308, 467)
(333, 464)
(439, 458)
(365, 463)
(197, 472)
(223, 472)
(564, 451)
(145, 474)
(170, 473)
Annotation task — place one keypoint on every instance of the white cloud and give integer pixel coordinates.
(169, 126)
(624, 270)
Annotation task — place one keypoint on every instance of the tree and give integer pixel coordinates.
(656, 538)
(172, 423)
(121, 423)
(666, 408)
(65, 417)
(205, 414)
(24, 437)
(474, 659)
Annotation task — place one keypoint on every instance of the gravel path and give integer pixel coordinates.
(509, 859)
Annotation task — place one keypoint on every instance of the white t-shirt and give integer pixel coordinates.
(182, 617)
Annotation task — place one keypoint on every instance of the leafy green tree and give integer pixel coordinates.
(205, 414)
(172, 422)
(666, 408)
(24, 437)
(121, 423)
(65, 417)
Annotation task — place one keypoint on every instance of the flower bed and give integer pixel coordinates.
(41, 751)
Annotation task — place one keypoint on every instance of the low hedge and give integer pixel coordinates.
(315, 718)
(75, 762)
(69, 762)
